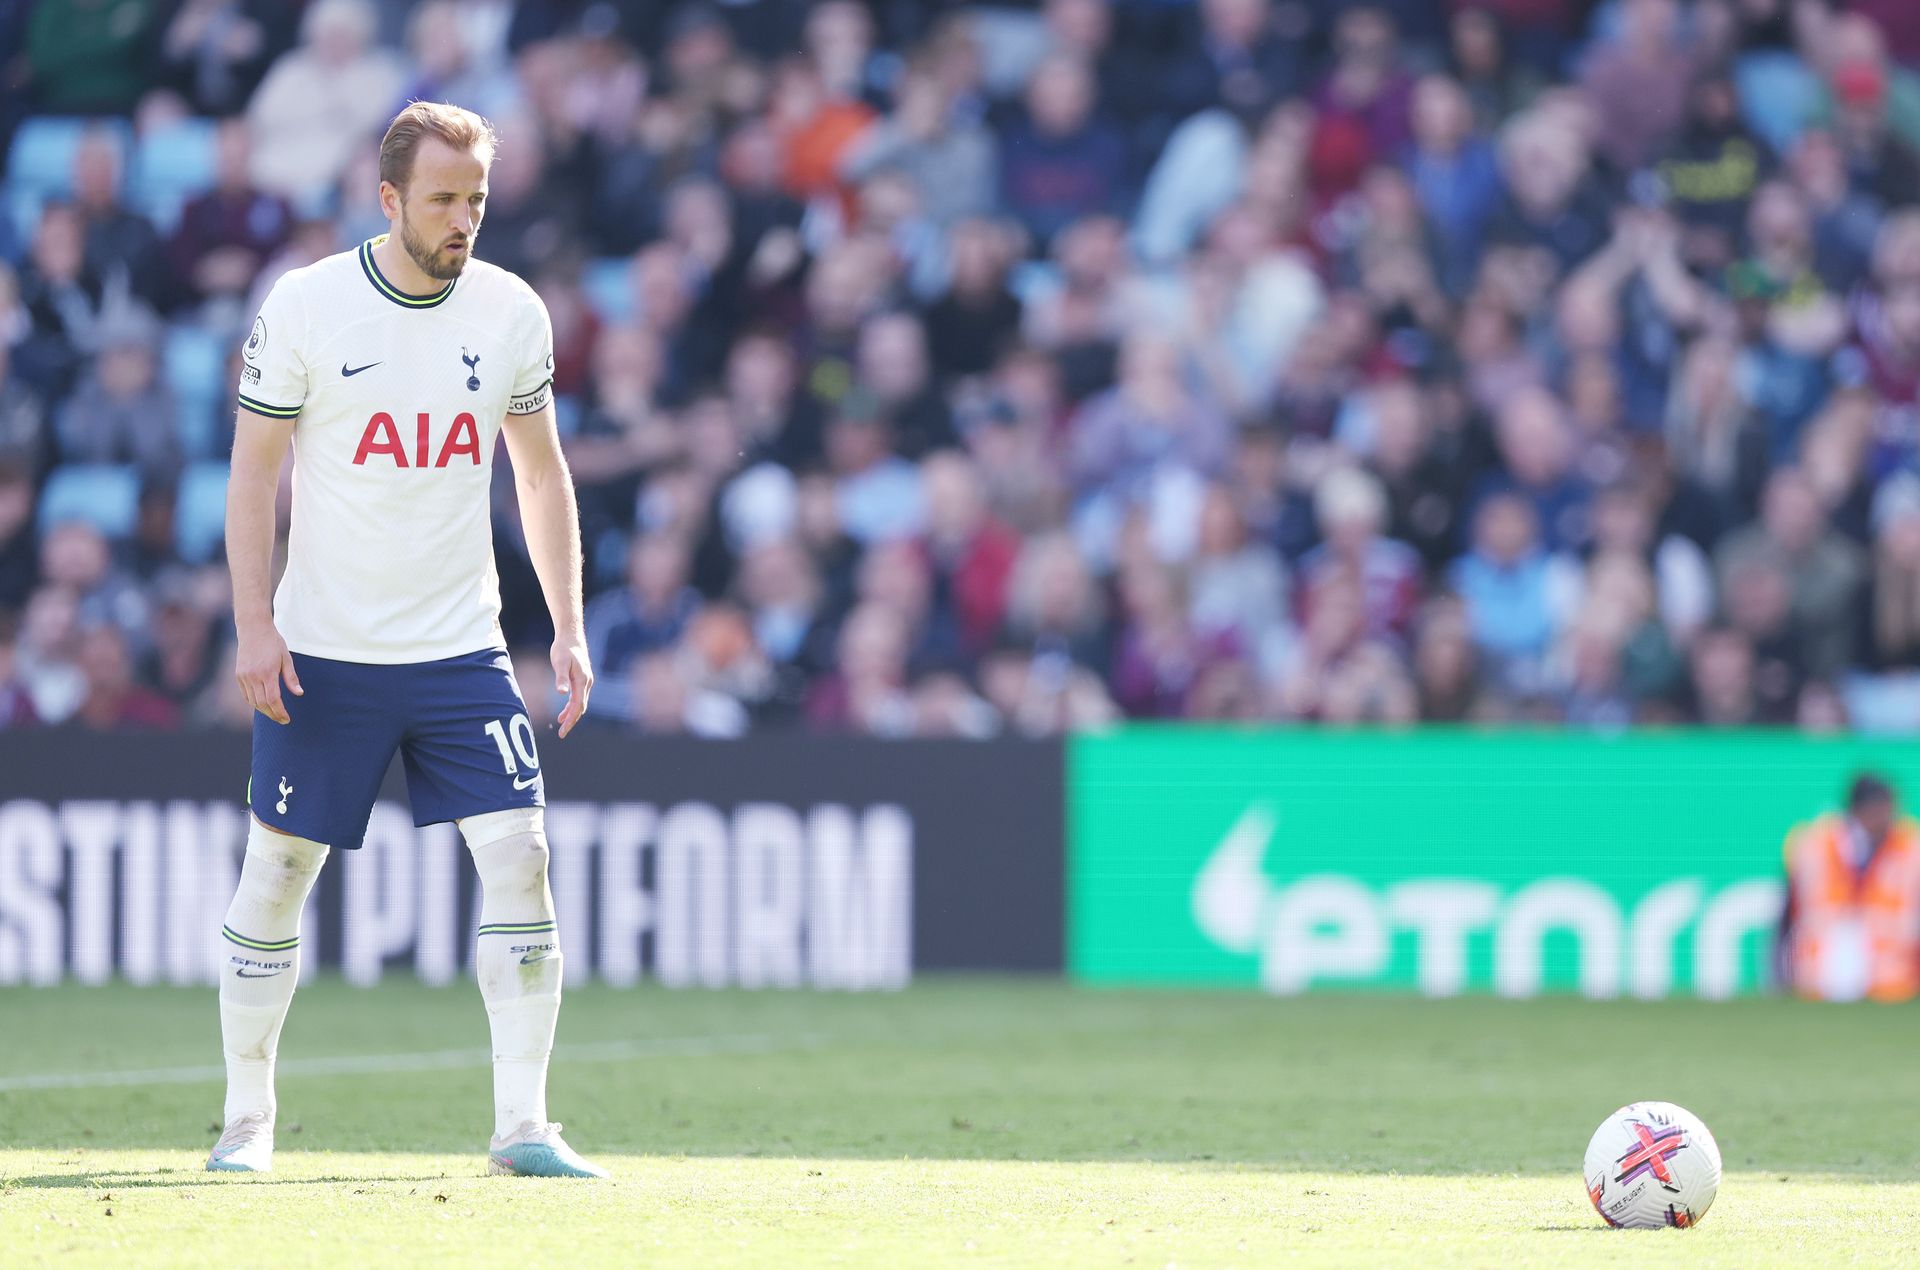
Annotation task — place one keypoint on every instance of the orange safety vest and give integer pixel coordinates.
(1881, 903)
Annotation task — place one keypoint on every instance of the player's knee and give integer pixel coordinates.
(511, 864)
(279, 866)
(491, 826)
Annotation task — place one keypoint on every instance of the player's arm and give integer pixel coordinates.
(260, 655)
(552, 524)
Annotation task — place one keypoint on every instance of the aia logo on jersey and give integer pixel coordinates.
(382, 436)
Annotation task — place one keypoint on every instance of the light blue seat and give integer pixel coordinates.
(196, 368)
(170, 167)
(200, 511)
(41, 157)
(104, 495)
(40, 163)
(608, 284)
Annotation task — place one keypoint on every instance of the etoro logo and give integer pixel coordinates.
(1331, 928)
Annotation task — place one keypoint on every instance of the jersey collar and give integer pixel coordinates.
(387, 289)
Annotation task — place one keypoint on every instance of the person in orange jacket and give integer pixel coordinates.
(1852, 923)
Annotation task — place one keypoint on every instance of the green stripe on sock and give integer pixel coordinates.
(260, 945)
(513, 928)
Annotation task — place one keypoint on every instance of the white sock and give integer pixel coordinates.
(517, 958)
(260, 944)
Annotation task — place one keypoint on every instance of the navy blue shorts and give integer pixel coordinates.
(459, 724)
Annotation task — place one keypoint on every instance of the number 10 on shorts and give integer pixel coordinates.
(521, 733)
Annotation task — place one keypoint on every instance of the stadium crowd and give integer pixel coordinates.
(947, 369)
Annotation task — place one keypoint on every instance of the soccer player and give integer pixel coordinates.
(392, 368)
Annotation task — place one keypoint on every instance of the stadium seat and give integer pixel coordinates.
(196, 367)
(171, 166)
(105, 495)
(608, 283)
(200, 511)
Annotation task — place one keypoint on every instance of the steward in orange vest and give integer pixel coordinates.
(1852, 925)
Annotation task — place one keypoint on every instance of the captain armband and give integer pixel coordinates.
(532, 403)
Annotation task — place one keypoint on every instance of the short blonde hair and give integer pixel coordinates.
(459, 128)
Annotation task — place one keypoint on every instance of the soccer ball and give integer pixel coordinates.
(1652, 1164)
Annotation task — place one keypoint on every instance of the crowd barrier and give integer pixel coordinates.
(1437, 861)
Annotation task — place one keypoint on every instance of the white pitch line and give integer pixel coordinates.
(427, 1061)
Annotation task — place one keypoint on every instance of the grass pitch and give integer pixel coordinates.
(958, 1123)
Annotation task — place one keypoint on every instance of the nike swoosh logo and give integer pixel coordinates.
(267, 974)
(533, 957)
(356, 370)
(521, 782)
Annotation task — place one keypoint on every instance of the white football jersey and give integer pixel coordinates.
(397, 401)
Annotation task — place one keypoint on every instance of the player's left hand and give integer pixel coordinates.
(573, 676)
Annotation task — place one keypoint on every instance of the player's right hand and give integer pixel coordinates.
(260, 660)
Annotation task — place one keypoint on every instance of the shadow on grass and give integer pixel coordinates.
(123, 1179)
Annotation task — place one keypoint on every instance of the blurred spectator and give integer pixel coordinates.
(1711, 169)
(121, 412)
(90, 56)
(321, 100)
(878, 493)
(1239, 587)
(217, 51)
(1456, 174)
(112, 698)
(892, 364)
(1721, 688)
(228, 233)
(1851, 927)
(1536, 451)
(666, 700)
(186, 652)
(866, 690)
(62, 300)
(817, 127)
(1148, 439)
(23, 439)
(1719, 444)
(1061, 162)
(16, 704)
(1894, 587)
(1759, 605)
(121, 246)
(1624, 523)
(1054, 610)
(1161, 657)
(956, 370)
(1497, 82)
(1516, 593)
(1446, 666)
(650, 613)
(1367, 88)
(780, 588)
(1640, 78)
(949, 159)
(1551, 202)
(19, 547)
(445, 66)
(1875, 108)
(971, 554)
(977, 318)
(1238, 62)
(1351, 509)
(1421, 486)
(1825, 571)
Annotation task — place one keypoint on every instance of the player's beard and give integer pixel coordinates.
(429, 260)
